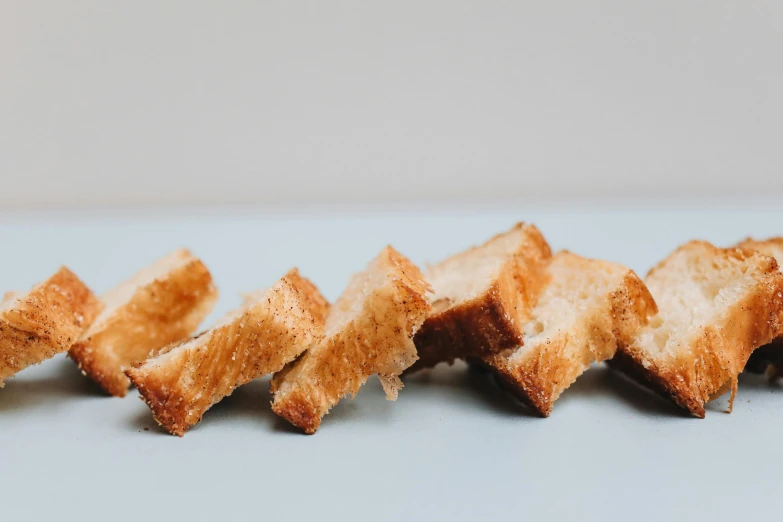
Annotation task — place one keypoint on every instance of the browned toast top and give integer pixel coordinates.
(46, 321)
(483, 296)
(369, 331)
(270, 329)
(162, 304)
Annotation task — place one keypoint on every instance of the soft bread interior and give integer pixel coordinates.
(693, 288)
(468, 274)
(8, 301)
(259, 297)
(351, 303)
(348, 307)
(576, 286)
(123, 293)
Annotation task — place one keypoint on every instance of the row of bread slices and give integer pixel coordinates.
(538, 320)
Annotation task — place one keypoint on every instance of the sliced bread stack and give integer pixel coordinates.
(538, 321)
(535, 319)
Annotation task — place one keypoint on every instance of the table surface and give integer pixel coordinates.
(453, 447)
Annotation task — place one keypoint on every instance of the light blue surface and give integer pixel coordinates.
(452, 447)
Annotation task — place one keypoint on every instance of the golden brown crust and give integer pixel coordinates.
(769, 358)
(632, 307)
(540, 371)
(182, 384)
(164, 311)
(492, 321)
(768, 247)
(720, 351)
(311, 297)
(376, 340)
(45, 322)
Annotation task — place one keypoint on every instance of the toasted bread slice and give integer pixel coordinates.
(160, 305)
(270, 329)
(588, 308)
(715, 307)
(482, 297)
(369, 330)
(769, 358)
(44, 322)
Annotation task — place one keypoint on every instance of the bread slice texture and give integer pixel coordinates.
(583, 314)
(44, 322)
(270, 329)
(769, 358)
(160, 305)
(483, 297)
(715, 307)
(369, 330)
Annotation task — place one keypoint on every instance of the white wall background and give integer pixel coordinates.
(122, 103)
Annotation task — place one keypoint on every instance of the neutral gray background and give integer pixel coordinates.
(365, 102)
(451, 448)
